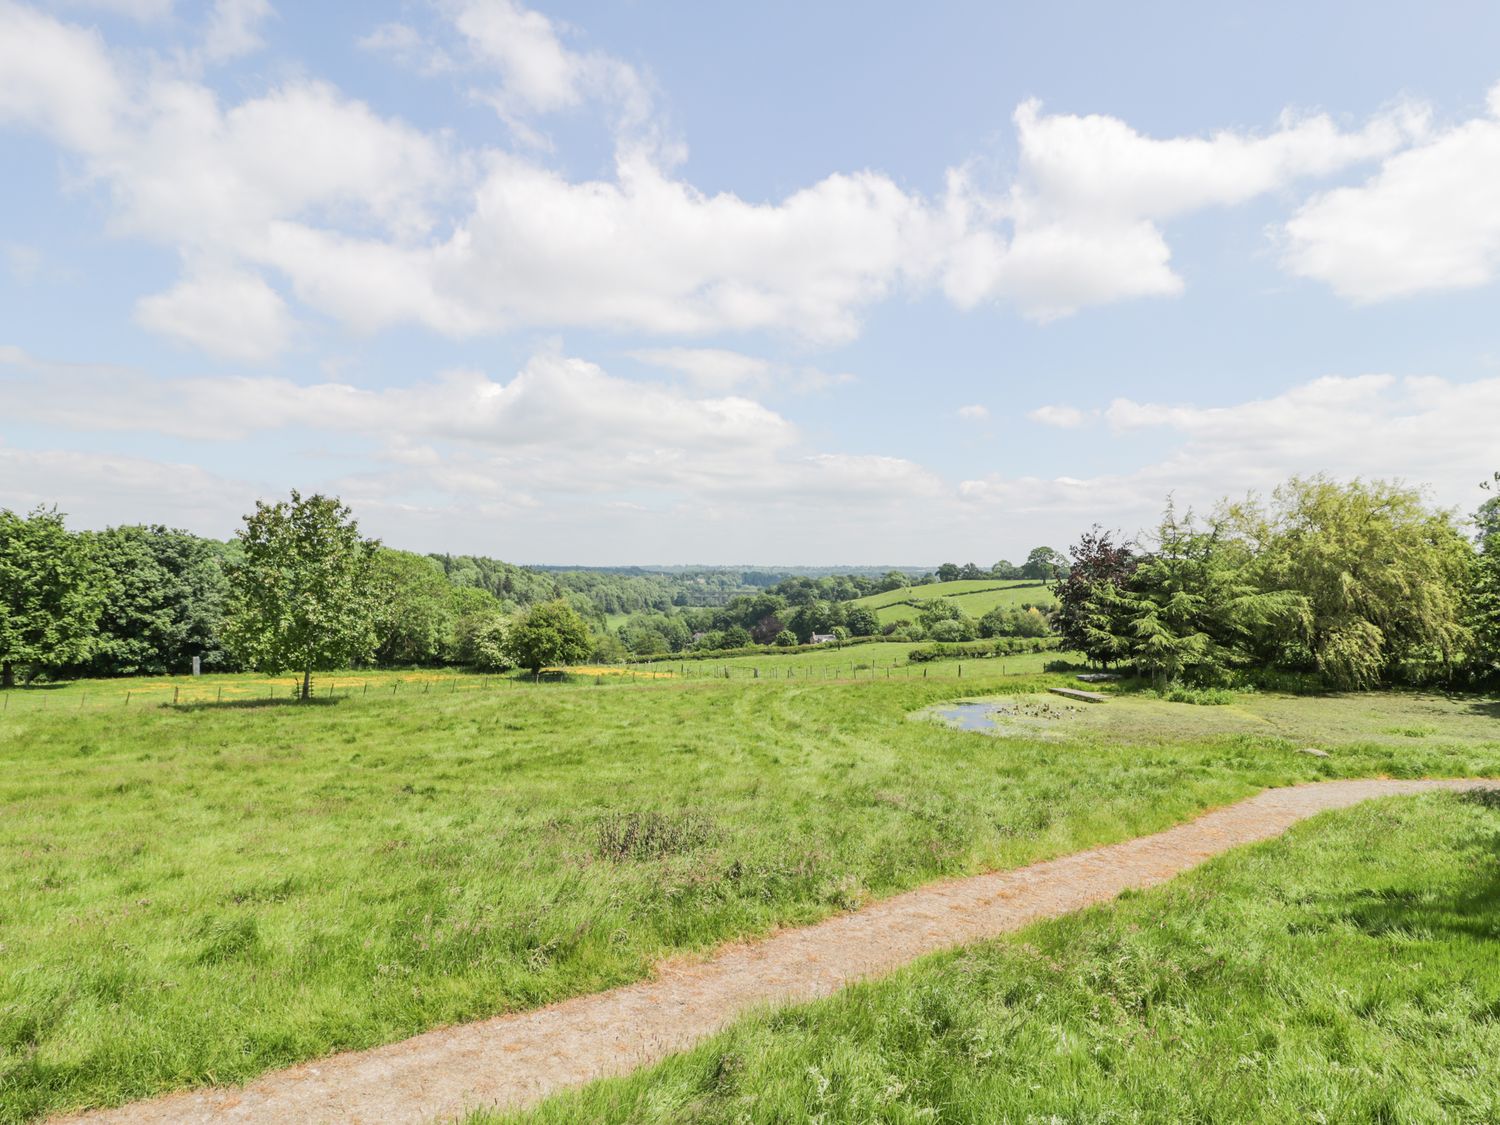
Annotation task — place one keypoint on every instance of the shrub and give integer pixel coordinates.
(1203, 697)
(953, 630)
(486, 645)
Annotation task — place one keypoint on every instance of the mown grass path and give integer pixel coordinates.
(516, 1060)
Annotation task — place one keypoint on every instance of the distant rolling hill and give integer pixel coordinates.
(976, 597)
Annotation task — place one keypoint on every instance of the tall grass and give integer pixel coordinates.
(1346, 973)
(196, 894)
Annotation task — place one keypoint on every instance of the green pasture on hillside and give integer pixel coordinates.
(975, 597)
(198, 893)
(879, 659)
(1345, 972)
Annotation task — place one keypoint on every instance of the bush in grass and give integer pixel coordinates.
(485, 646)
(785, 639)
(1203, 697)
(1028, 621)
(608, 649)
(950, 631)
(549, 634)
(938, 610)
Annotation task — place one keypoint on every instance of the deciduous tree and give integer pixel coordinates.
(1088, 598)
(548, 635)
(302, 597)
(1383, 578)
(49, 593)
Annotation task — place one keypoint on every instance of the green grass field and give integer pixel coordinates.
(1404, 718)
(1346, 972)
(198, 893)
(879, 659)
(975, 597)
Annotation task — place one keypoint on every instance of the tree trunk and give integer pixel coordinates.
(7, 675)
(307, 684)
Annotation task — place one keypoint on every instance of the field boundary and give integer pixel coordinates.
(517, 1060)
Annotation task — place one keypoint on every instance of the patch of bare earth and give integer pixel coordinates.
(515, 1060)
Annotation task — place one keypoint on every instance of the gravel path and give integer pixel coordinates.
(518, 1059)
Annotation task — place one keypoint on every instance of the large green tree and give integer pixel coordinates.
(1484, 599)
(1182, 609)
(415, 609)
(548, 635)
(49, 593)
(302, 597)
(1044, 563)
(1088, 613)
(1382, 575)
(162, 595)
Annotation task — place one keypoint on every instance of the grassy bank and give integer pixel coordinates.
(1344, 973)
(195, 894)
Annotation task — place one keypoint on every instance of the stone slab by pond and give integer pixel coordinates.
(1086, 696)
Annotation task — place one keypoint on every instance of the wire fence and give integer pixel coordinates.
(63, 698)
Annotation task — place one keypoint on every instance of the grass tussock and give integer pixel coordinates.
(651, 835)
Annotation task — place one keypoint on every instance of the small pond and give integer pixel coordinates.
(1004, 715)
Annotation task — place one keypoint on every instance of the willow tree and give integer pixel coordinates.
(1382, 574)
(1484, 600)
(303, 596)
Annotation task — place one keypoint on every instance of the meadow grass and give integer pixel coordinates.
(1345, 972)
(829, 663)
(198, 893)
(878, 660)
(1394, 718)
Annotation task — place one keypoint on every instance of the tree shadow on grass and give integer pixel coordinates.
(253, 704)
(1470, 910)
(1489, 708)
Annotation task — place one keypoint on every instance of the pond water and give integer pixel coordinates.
(1008, 715)
(965, 715)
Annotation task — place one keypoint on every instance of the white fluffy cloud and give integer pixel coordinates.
(710, 368)
(97, 489)
(1425, 430)
(1428, 220)
(375, 223)
(559, 426)
(658, 470)
(974, 412)
(230, 315)
(1087, 208)
(234, 28)
(1063, 417)
(722, 370)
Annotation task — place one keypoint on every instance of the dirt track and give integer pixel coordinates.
(518, 1059)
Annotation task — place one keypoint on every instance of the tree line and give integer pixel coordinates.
(1347, 585)
(146, 600)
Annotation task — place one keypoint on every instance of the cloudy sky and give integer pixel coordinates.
(646, 282)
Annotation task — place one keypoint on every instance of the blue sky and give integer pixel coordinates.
(640, 282)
